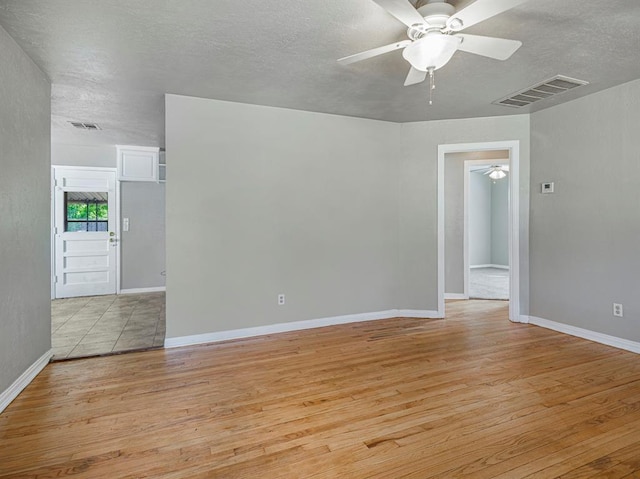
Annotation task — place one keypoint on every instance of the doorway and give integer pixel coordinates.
(486, 229)
(513, 149)
(90, 315)
(85, 232)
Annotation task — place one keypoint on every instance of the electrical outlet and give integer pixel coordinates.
(280, 299)
(617, 310)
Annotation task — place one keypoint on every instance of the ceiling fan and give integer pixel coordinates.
(433, 37)
(495, 172)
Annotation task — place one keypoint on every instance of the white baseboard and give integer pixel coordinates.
(601, 338)
(218, 336)
(497, 266)
(23, 381)
(155, 289)
(455, 296)
(414, 313)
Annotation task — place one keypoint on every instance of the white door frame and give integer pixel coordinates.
(514, 218)
(116, 230)
(468, 164)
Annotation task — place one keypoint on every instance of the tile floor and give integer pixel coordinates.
(96, 325)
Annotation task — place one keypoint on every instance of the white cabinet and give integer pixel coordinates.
(138, 163)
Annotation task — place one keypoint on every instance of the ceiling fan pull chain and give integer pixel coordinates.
(432, 85)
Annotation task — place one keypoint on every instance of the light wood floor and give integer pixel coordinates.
(471, 396)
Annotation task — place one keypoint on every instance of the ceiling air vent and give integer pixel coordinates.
(85, 126)
(551, 87)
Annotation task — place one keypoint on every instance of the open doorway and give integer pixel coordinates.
(94, 311)
(486, 229)
(510, 152)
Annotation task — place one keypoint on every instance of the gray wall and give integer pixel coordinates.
(500, 221)
(262, 201)
(103, 156)
(143, 246)
(25, 125)
(480, 215)
(337, 213)
(585, 238)
(488, 220)
(418, 257)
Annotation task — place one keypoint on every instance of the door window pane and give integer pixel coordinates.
(86, 211)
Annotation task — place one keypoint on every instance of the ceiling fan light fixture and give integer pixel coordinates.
(497, 174)
(434, 51)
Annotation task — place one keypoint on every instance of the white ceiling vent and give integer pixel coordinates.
(85, 126)
(551, 87)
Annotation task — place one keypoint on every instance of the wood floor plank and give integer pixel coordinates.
(473, 395)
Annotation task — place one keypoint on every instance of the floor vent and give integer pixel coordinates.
(551, 87)
(85, 126)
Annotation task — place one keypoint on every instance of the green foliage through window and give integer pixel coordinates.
(81, 210)
(87, 215)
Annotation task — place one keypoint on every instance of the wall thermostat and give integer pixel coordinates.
(546, 188)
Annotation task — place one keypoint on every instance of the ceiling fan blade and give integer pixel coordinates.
(415, 76)
(402, 10)
(505, 167)
(373, 52)
(479, 11)
(498, 48)
(488, 171)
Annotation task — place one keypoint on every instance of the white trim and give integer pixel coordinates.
(52, 238)
(601, 338)
(455, 296)
(87, 168)
(119, 238)
(440, 226)
(465, 229)
(514, 232)
(514, 218)
(155, 289)
(218, 336)
(414, 313)
(23, 381)
(495, 266)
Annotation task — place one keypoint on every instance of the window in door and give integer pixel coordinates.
(86, 211)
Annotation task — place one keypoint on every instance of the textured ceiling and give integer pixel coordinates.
(111, 61)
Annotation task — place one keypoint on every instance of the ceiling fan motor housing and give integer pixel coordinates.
(436, 13)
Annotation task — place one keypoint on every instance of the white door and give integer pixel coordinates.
(85, 234)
